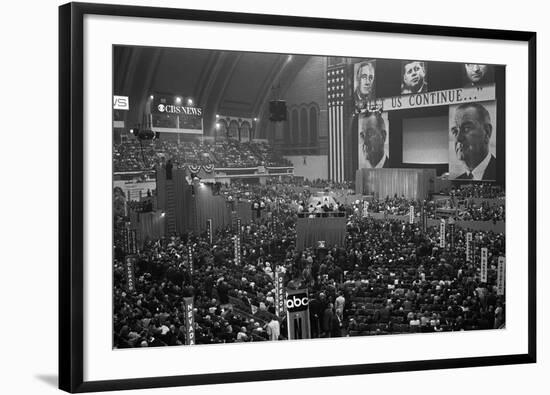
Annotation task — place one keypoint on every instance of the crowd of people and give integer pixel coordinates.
(389, 277)
(136, 155)
(461, 210)
(482, 190)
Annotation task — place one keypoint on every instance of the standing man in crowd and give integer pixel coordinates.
(273, 329)
(472, 133)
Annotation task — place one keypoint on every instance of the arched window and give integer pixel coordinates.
(313, 133)
(294, 130)
(286, 129)
(245, 131)
(233, 132)
(303, 127)
(221, 128)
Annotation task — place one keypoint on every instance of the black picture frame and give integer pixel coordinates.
(71, 195)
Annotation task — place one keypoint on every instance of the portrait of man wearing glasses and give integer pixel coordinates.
(373, 135)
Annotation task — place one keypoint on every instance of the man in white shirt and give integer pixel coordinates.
(273, 329)
(472, 133)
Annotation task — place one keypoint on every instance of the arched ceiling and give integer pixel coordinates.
(222, 82)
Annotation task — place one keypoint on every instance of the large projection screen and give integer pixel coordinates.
(426, 140)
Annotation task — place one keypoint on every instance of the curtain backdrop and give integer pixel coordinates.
(148, 226)
(309, 231)
(210, 206)
(410, 183)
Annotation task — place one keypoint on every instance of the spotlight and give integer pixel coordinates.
(217, 125)
(190, 102)
(255, 119)
(178, 100)
(162, 214)
(151, 97)
(217, 115)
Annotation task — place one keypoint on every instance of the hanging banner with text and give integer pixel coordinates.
(424, 218)
(452, 233)
(411, 215)
(279, 294)
(190, 259)
(483, 265)
(237, 246)
(442, 234)
(365, 209)
(436, 98)
(130, 274)
(130, 241)
(469, 247)
(239, 228)
(189, 321)
(501, 275)
(209, 230)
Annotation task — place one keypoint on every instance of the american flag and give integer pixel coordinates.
(335, 100)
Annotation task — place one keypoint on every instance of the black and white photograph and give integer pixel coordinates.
(472, 147)
(414, 76)
(365, 84)
(477, 74)
(254, 199)
(373, 140)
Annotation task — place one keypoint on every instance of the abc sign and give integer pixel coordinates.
(297, 302)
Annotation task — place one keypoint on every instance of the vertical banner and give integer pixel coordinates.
(209, 230)
(483, 265)
(474, 250)
(190, 258)
(297, 314)
(442, 234)
(279, 294)
(237, 246)
(452, 233)
(130, 242)
(189, 320)
(469, 247)
(411, 215)
(130, 274)
(501, 275)
(239, 227)
(365, 209)
(126, 234)
(424, 217)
